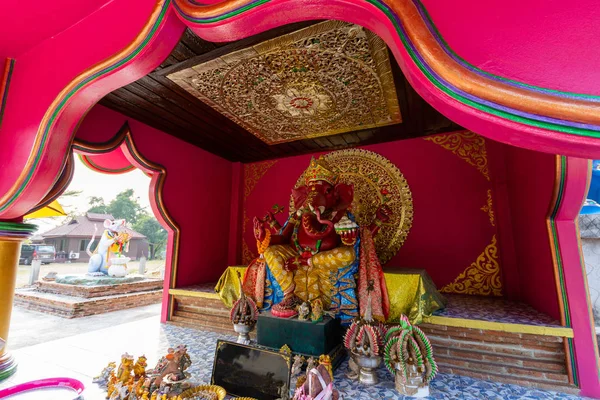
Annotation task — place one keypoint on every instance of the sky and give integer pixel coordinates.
(94, 183)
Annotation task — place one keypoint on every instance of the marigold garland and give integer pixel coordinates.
(262, 245)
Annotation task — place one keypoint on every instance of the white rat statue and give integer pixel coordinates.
(100, 259)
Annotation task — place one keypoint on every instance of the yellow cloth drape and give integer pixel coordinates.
(318, 281)
(228, 287)
(412, 293)
(53, 209)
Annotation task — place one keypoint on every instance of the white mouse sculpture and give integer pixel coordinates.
(100, 259)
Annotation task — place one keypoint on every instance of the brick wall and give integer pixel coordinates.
(519, 358)
(98, 291)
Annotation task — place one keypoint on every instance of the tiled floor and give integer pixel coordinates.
(83, 356)
(495, 310)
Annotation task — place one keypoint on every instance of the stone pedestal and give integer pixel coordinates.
(11, 236)
(74, 296)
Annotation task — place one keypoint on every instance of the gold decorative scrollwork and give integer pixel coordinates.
(482, 277)
(377, 182)
(247, 254)
(252, 174)
(489, 209)
(469, 146)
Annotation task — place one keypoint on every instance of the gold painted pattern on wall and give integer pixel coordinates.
(469, 146)
(252, 174)
(482, 277)
(329, 78)
(247, 254)
(489, 208)
(245, 221)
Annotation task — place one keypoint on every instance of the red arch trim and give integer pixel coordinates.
(124, 140)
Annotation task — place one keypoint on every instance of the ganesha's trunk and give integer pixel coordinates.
(313, 225)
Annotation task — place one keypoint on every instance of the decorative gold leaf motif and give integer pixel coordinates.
(247, 254)
(245, 221)
(480, 278)
(377, 182)
(252, 174)
(488, 208)
(467, 145)
(329, 78)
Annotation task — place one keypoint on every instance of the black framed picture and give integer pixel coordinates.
(247, 371)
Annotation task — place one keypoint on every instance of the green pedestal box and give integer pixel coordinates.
(303, 337)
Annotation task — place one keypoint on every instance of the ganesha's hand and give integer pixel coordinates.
(268, 217)
(271, 221)
(293, 264)
(259, 230)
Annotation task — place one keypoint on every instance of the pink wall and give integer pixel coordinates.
(197, 192)
(531, 180)
(449, 230)
(29, 24)
(114, 161)
(515, 38)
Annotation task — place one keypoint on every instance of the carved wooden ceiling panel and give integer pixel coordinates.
(329, 78)
(159, 102)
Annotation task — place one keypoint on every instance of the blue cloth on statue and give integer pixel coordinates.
(273, 292)
(344, 301)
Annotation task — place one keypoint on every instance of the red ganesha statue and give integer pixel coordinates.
(319, 252)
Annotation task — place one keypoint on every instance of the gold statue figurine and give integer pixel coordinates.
(125, 368)
(325, 361)
(139, 369)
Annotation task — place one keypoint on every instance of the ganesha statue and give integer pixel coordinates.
(319, 253)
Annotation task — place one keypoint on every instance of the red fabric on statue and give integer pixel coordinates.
(369, 270)
(254, 281)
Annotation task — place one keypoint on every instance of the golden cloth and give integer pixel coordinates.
(309, 282)
(412, 293)
(228, 287)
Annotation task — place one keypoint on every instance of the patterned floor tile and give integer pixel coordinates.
(493, 309)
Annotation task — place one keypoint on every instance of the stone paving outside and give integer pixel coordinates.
(48, 346)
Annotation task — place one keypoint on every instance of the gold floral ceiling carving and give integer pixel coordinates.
(329, 78)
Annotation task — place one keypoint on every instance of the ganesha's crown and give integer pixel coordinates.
(319, 170)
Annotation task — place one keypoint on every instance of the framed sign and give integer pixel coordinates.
(247, 371)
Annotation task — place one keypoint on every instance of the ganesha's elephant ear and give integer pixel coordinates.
(345, 194)
(299, 196)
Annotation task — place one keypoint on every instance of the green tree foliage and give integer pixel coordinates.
(126, 206)
(97, 205)
(157, 236)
